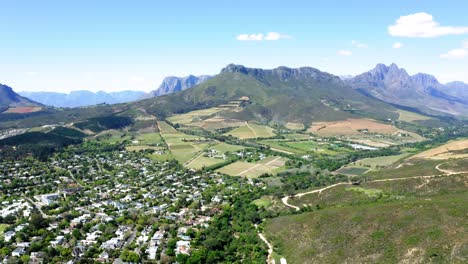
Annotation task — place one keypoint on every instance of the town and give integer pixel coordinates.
(107, 205)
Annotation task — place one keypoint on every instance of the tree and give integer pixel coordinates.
(129, 256)
(37, 221)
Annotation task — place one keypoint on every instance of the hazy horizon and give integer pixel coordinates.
(61, 46)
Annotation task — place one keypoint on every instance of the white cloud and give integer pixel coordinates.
(455, 54)
(325, 59)
(397, 45)
(260, 36)
(344, 53)
(422, 25)
(358, 44)
(32, 73)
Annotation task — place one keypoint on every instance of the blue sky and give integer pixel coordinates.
(121, 45)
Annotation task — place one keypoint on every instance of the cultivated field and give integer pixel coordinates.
(194, 116)
(303, 146)
(250, 130)
(454, 149)
(23, 110)
(410, 116)
(365, 131)
(218, 122)
(208, 118)
(351, 127)
(182, 146)
(294, 126)
(253, 170)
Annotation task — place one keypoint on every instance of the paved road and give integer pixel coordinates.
(36, 205)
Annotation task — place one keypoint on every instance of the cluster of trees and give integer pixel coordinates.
(98, 124)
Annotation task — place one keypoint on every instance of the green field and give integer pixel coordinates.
(202, 161)
(251, 131)
(380, 161)
(378, 223)
(193, 116)
(182, 146)
(150, 139)
(253, 170)
(223, 148)
(410, 116)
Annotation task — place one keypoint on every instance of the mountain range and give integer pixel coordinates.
(280, 95)
(83, 98)
(173, 84)
(420, 91)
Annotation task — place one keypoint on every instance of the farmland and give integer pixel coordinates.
(365, 131)
(182, 146)
(410, 116)
(23, 110)
(351, 127)
(454, 149)
(250, 130)
(208, 118)
(253, 170)
(294, 126)
(303, 146)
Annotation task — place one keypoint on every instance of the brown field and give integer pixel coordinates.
(24, 110)
(218, 123)
(294, 126)
(446, 151)
(351, 127)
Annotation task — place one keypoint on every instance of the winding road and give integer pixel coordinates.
(443, 171)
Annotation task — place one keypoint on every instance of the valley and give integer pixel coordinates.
(221, 173)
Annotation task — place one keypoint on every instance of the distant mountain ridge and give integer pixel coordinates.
(9, 98)
(274, 95)
(457, 89)
(83, 98)
(173, 84)
(420, 91)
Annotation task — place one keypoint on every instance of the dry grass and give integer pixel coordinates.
(294, 126)
(24, 110)
(446, 151)
(351, 127)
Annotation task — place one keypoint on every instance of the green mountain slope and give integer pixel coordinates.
(278, 95)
